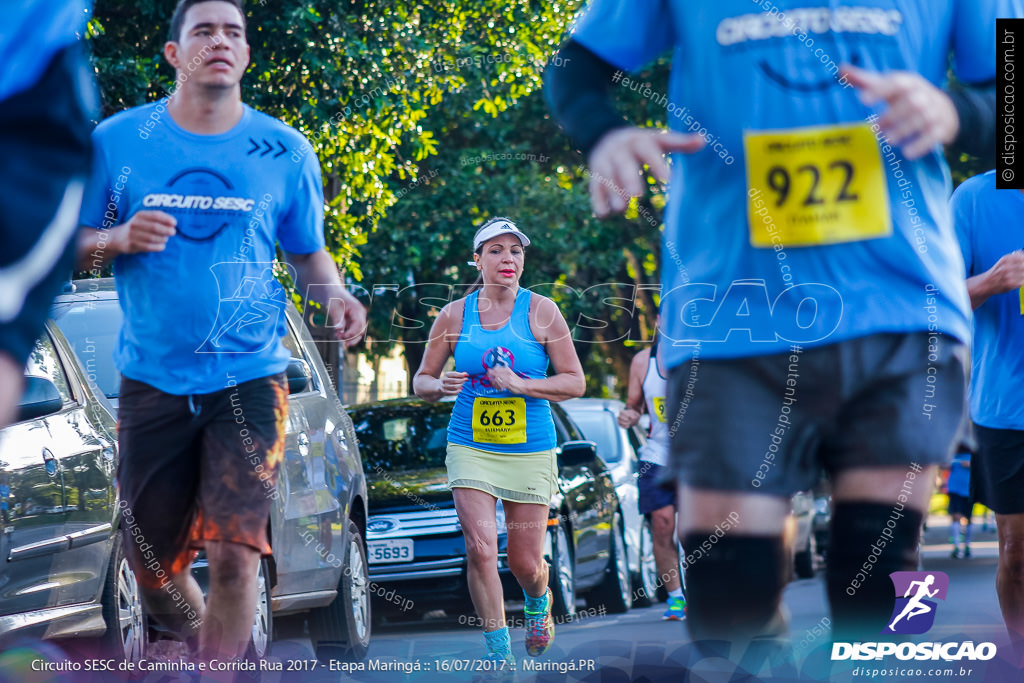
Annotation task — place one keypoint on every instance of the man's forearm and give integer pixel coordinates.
(577, 92)
(979, 289)
(94, 248)
(976, 108)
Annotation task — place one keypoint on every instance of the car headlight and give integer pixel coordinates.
(821, 506)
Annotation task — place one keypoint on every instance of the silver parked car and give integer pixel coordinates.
(83, 585)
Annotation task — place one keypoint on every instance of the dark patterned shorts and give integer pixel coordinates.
(197, 468)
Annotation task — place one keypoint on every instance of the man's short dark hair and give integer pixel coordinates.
(178, 18)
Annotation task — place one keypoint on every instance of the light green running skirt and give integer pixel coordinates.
(518, 477)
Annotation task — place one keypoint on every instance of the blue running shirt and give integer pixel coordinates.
(209, 304)
(497, 420)
(990, 224)
(797, 224)
(32, 34)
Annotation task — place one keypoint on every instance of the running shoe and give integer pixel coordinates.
(540, 629)
(676, 609)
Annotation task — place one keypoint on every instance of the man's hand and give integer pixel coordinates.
(919, 116)
(144, 232)
(628, 417)
(1007, 274)
(617, 161)
(348, 316)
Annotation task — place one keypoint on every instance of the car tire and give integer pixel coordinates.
(262, 636)
(645, 584)
(615, 592)
(803, 560)
(127, 625)
(340, 631)
(562, 574)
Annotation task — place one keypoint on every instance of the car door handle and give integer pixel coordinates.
(303, 442)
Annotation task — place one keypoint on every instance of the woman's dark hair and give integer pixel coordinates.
(178, 18)
(479, 284)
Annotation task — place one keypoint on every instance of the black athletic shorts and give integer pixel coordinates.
(197, 468)
(771, 424)
(997, 471)
(654, 492)
(44, 159)
(960, 506)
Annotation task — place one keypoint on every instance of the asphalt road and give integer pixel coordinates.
(638, 645)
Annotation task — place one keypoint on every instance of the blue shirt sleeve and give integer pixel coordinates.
(99, 209)
(301, 227)
(974, 37)
(963, 218)
(626, 33)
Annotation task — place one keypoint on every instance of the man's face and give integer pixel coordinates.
(211, 50)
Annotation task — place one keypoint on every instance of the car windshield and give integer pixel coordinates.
(91, 327)
(396, 438)
(600, 427)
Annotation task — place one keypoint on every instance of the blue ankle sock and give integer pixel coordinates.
(536, 605)
(498, 641)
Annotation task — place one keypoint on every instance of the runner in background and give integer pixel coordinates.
(808, 176)
(657, 500)
(958, 490)
(47, 99)
(988, 223)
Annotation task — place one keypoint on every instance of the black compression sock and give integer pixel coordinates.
(734, 586)
(869, 541)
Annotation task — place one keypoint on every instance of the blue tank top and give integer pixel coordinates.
(485, 417)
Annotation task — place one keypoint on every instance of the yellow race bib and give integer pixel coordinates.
(499, 420)
(815, 186)
(659, 407)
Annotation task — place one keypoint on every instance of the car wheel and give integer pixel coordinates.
(803, 561)
(263, 624)
(645, 586)
(341, 630)
(126, 621)
(562, 574)
(614, 591)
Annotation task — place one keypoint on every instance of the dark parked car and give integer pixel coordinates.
(416, 548)
(65, 573)
(619, 447)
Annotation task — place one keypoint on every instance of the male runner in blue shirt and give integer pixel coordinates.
(990, 225)
(190, 197)
(812, 288)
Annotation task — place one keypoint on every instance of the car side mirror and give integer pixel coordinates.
(577, 452)
(39, 399)
(299, 375)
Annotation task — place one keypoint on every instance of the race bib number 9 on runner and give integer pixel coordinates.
(815, 186)
(659, 407)
(499, 420)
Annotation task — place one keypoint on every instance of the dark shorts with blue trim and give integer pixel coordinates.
(44, 148)
(197, 468)
(654, 492)
(997, 471)
(771, 424)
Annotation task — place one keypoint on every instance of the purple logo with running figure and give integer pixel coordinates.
(916, 592)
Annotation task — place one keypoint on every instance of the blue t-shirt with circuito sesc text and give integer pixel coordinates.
(990, 224)
(797, 223)
(208, 306)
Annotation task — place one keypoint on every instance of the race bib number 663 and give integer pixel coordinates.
(499, 420)
(815, 186)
